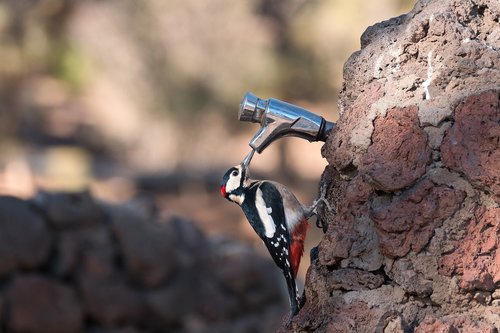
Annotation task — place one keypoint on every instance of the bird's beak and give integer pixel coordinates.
(247, 159)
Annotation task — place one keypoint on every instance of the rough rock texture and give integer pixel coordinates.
(71, 264)
(414, 175)
(471, 144)
(398, 134)
(407, 221)
(481, 270)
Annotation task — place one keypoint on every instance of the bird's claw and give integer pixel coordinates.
(313, 209)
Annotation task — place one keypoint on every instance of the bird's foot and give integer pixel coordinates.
(313, 209)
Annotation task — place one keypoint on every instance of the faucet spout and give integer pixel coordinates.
(279, 119)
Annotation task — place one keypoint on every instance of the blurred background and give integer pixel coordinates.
(138, 100)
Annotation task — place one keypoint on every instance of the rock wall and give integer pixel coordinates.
(69, 264)
(414, 174)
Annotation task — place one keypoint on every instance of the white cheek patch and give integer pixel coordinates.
(262, 210)
(237, 198)
(234, 181)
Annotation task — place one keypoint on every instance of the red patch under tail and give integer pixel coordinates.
(297, 246)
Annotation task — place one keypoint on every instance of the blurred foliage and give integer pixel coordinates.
(192, 52)
(119, 66)
(70, 65)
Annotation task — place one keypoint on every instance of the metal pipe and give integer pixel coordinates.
(278, 119)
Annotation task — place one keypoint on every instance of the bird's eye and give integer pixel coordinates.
(235, 173)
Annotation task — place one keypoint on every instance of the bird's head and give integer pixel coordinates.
(235, 180)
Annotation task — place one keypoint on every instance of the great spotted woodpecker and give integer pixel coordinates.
(277, 217)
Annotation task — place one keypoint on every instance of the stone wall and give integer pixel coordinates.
(414, 174)
(70, 264)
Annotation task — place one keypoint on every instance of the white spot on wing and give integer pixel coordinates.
(267, 220)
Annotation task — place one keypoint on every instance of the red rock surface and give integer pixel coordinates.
(430, 324)
(407, 222)
(472, 145)
(453, 325)
(399, 153)
(477, 257)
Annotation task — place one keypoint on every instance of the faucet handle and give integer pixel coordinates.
(252, 108)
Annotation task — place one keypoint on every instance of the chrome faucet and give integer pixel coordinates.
(278, 119)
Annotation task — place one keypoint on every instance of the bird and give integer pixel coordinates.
(276, 215)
